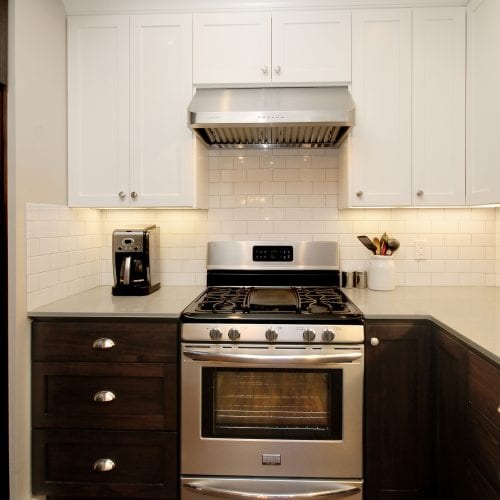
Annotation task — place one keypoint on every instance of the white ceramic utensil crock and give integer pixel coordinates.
(381, 273)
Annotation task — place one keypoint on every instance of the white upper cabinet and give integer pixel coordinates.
(98, 111)
(284, 47)
(130, 82)
(438, 107)
(483, 103)
(231, 48)
(311, 47)
(375, 161)
(407, 147)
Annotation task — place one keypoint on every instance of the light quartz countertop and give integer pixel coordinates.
(469, 313)
(167, 302)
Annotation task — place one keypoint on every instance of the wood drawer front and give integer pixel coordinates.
(145, 395)
(134, 340)
(483, 443)
(484, 383)
(145, 463)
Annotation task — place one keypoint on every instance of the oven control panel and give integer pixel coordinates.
(261, 332)
(272, 253)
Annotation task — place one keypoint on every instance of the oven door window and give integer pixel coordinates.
(272, 404)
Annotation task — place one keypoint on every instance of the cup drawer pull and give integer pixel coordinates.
(104, 396)
(104, 465)
(103, 343)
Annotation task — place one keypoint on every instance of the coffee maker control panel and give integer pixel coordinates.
(130, 245)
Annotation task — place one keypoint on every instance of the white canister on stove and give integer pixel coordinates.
(381, 273)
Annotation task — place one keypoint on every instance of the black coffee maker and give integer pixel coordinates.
(135, 261)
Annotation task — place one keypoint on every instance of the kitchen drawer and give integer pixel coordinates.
(145, 395)
(484, 381)
(132, 340)
(145, 463)
(483, 443)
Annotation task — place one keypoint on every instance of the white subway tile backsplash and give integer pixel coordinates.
(273, 195)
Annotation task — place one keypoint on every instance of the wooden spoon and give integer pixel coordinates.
(376, 242)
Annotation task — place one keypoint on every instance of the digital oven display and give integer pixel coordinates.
(273, 253)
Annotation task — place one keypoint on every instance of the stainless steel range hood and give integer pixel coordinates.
(272, 117)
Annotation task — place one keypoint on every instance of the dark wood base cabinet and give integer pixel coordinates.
(104, 409)
(467, 422)
(398, 386)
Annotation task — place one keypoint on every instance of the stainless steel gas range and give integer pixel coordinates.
(272, 376)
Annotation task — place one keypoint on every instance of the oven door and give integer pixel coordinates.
(272, 410)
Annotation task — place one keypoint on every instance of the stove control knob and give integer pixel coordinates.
(309, 335)
(328, 335)
(215, 334)
(233, 334)
(271, 334)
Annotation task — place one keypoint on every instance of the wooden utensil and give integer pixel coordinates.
(368, 243)
(376, 242)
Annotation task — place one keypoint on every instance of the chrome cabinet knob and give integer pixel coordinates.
(265, 70)
(104, 465)
(271, 334)
(420, 193)
(133, 194)
(122, 195)
(277, 69)
(327, 335)
(103, 343)
(498, 409)
(104, 396)
(215, 334)
(359, 194)
(374, 341)
(308, 335)
(233, 334)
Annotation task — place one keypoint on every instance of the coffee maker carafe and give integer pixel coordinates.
(135, 261)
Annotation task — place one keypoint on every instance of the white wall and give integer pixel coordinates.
(37, 172)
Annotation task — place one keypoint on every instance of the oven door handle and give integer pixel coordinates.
(334, 490)
(308, 359)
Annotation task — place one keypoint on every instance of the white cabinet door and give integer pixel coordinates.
(483, 103)
(161, 172)
(129, 85)
(98, 107)
(232, 48)
(311, 47)
(379, 159)
(438, 107)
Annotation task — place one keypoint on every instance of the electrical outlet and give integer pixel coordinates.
(420, 247)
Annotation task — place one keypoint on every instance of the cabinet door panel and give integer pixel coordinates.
(232, 48)
(161, 83)
(484, 381)
(438, 107)
(311, 46)
(380, 141)
(397, 410)
(483, 102)
(98, 111)
(451, 416)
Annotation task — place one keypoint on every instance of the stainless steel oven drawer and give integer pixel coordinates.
(201, 488)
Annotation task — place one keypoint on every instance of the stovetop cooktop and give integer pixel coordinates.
(283, 304)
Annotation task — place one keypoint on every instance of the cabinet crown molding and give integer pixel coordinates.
(80, 7)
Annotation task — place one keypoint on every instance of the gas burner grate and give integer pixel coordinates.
(306, 300)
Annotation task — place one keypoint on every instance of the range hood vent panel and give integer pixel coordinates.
(315, 117)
